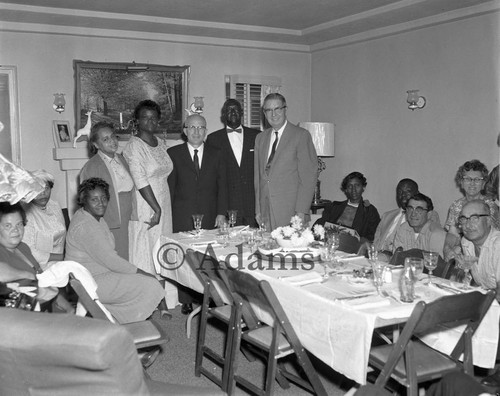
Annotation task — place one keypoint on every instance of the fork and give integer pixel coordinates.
(385, 294)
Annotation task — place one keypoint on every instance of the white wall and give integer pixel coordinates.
(45, 66)
(362, 89)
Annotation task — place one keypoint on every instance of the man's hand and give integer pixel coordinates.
(219, 220)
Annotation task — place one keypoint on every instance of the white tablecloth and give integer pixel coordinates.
(336, 331)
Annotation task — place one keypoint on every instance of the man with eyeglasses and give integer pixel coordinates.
(419, 232)
(197, 186)
(237, 144)
(480, 239)
(285, 167)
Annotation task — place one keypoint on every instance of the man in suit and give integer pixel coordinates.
(391, 220)
(285, 167)
(237, 145)
(197, 185)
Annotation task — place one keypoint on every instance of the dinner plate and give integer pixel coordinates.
(277, 254)
(359, 281)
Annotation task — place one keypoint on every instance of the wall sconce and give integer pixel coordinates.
(59, 102)
(323, 136)
(414, 100)
(197, 105)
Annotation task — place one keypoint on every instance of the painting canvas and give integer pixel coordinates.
(112, 90)
(9, 115)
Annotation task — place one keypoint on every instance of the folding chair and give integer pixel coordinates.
(410, 362)
(271, 342)
(212, 307)
(145, 334)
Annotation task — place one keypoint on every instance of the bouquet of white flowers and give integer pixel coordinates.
(294, 235)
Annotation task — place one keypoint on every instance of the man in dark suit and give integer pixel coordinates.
(286, 167)
(237, 145)
(197, 185)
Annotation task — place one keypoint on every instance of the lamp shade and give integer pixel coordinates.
(322, 136)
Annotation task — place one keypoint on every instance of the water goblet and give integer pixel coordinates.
(232, 215)
(466, 263)
(197, 219)
(378, 274)
(326, 255)
(430, 260)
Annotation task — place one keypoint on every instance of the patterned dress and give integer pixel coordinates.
(456, 208)
(148, 166)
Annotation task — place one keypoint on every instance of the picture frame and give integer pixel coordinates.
(112, 90)
(10, 134)
(62, 134)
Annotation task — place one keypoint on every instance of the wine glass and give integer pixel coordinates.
(232, 215)
(466, 264)
(197, 219)
(430, 260)
(378, 274)
(326, 255)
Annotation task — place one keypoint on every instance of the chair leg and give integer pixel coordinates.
(189, 319)
(201, 336)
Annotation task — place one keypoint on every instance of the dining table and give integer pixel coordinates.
(334, 309)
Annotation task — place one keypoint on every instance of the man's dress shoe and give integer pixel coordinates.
(492, 381)
(187, 309)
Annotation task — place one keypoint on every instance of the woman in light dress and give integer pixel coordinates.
(150, 166)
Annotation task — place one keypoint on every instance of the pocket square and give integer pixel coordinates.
(251, 150)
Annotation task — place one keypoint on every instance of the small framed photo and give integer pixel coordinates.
(63, 137)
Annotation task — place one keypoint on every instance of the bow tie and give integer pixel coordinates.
(237, 130)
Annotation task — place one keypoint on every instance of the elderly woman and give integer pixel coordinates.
(107, 164)
(129, 293)
(16, 261)
(354, 212)
(45, 231)
(470, 178)
(150, 165)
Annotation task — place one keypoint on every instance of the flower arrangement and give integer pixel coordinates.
(323, 234)
(293, 235)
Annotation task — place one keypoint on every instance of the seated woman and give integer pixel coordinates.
(16, 261)
(354, 212)
(471, 179)
(45, 231)
(129, 293)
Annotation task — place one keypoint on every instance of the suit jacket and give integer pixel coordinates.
(288, 187)
(365, 220)
(383, 240)
(95, 167)
(240, 178)
(206, 194)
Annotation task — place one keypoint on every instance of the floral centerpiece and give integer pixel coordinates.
(294, 235)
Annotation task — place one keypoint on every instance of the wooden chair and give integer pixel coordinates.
(145, 334)
(271, 342)
(443, 269)
(213, 307)
(409, 361)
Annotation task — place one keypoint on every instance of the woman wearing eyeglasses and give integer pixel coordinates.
(470, 178)
(149, 165)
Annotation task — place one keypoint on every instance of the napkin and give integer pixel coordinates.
(367, 302)
(303, 279)
(214, 243)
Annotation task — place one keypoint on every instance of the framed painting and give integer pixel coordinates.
(112, 90)
(10, 138)
(61, 131)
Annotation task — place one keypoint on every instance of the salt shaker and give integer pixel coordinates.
(387, 275)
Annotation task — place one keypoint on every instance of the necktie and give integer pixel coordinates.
(196, 162)
(273, 151)
(237, 130)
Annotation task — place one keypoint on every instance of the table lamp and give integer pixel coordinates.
(322, 134)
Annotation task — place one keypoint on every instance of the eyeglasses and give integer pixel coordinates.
(418, 210)
(475, 180)
(197, 129)
(474, 219)
(277, 111)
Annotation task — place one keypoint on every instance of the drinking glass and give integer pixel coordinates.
(378, 274)
(326, 255)
(416, 266)
(466, 264)
(430, 260)
(232, 215)
(197, 219)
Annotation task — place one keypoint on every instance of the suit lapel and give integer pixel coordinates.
(186, 158)
(229, 149)
(247, 146)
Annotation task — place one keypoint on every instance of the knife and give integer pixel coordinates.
(355, 297)
(447, 288)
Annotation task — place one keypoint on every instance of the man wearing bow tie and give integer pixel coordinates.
(237, 145)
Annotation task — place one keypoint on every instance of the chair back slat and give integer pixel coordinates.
(84, 298)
